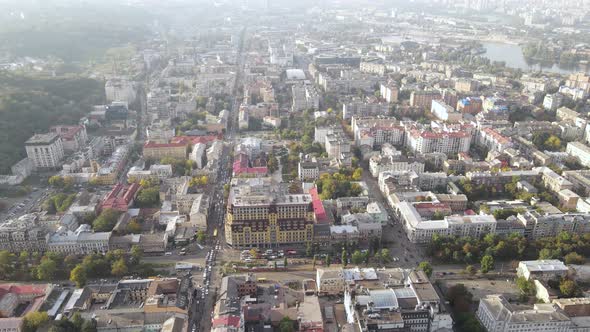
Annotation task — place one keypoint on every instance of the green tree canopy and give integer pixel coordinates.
(106, 221)
(78, 276)
(426, 267)
(487, 263)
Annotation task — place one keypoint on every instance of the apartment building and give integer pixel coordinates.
(493, 140)
(321, 132)
(471, 105)
(445, 112)
(120, 197)
(157, 151)
(73, 137)
(376, 131)
(389, 92)
(379, 164)
(553, 101)
(119, 89)
(542, 269)
(368, 107)
(539, 225)
(496, 314)
(423, 99)
(580, 151)
(82, 241)
(413, 305)
(308, 170)
(373, 66)
(421, 231)
(259, 214)
(580, 180)
(424, 141)
(305, 97)
(466, 85)
(337, 144)
(23, 234)
(46, 151)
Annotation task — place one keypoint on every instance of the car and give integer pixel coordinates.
(168, 253)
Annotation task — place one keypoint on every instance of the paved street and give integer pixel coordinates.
(211, 278)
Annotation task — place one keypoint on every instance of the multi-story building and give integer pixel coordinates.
(574, 93)
(23, 234)
(542, 269)
(305, 97)
(321, 132)
(553, 101)
(421, 231)
(73, 137)
(389, 92)
(337, 145)
(580, 181)
(198, 154)
(466, 85)
(580, 151)
(312, 97)
(120, 197)
(107, 173)
(539, 226)
(308, 170)
(118, 89)
(423, 141)
(383, 306)
(45, 150)
(82, 241)
(260, 215)
(493, 140)
(369, 107)
(368, 228)
(553, 181)
(157, 151)
(457, 203)
(500, 179)
(536, 84)
(160, 131)
(373, 66)
(445, 112)
(378, 164)
(423, 99)
(495, 313)
(330, 281)
(471, 105)
(298, 102)
(199, 212)
(376, 131)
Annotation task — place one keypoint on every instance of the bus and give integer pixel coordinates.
(215, 232)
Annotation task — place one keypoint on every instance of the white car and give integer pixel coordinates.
(168, 253)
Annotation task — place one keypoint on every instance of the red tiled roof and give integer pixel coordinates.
(430, 205)
(193, 139)
(66, 132)
(241, 166)
(227, 320)
(318, 206)
(22, 289)
(120, 197)
(150, 144)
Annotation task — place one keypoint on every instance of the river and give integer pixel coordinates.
(512, 55)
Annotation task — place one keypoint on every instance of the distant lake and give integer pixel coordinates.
(512, 55)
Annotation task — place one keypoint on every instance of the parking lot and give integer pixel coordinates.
(480, 287)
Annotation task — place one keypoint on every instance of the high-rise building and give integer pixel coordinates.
(261, 214)
(45, 150)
